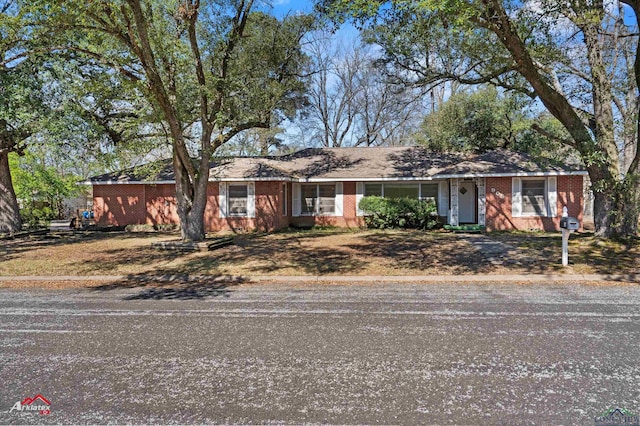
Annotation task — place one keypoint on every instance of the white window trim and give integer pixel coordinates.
(338, 200)
(359, 197)
(223, 200)
(550, 197)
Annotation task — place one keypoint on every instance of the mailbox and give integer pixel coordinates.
(570, 223)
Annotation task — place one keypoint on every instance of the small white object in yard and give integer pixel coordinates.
(565, 239)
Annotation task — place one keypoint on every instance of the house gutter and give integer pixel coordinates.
(351, 179)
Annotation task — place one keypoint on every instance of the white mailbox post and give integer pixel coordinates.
(568, 225)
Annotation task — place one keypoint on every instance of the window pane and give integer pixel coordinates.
(533, 197)
(401, 191)
(429, 192)
(308, 198)
(237, 191)
(373, 189)
(237, 200)
(327, 201)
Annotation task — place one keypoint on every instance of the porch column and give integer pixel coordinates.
(482, 200)
(453, 220)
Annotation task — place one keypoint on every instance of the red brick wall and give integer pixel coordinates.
(155, 204)
(268, 210)
(119, 205)
(160, 201)
(499, 193)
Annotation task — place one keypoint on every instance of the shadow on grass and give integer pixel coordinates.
(12, 248)
(172, 286)
(542, 252)
(108, 261)
(392, 250)
(424, 252)
(294, 252)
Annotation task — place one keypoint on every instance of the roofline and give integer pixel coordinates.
(449, 176)
(164, 182)
(369, 179)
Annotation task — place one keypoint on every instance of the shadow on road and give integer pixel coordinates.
(175, 287)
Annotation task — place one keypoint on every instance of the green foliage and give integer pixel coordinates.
(384, 213)
(478, 121)
(576, 58)
(485, 120)
(40, 189)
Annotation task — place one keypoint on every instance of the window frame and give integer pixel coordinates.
(246, 200)
(523, 197)
(316, 200)
(421, 196)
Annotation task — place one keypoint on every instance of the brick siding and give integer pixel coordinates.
(156, 204)
(499, 193)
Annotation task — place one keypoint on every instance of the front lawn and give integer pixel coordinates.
(315, 252)
(587, 254)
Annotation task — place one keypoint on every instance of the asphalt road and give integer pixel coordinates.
(392, 354)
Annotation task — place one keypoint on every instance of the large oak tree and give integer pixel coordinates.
(209, 70)
(579, 58)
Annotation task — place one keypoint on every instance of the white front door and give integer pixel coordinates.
(467, 202)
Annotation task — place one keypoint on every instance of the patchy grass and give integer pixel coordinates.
(315, 252)
(587, 254)
(83, 253)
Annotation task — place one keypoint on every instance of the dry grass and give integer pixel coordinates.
(317, 252)
(587, 254)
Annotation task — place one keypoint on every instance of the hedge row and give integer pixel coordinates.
(382, 213)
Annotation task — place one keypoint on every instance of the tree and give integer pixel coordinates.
(209, 70)
(485, 119)
(20, 105)
(567, 55)
(332, 92)
(352, 102)
(253, 142)
(387, 113)
(40, 188)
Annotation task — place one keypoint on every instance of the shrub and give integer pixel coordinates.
(139, 228)
(384, 213)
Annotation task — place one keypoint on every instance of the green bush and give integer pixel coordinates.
(384, 213)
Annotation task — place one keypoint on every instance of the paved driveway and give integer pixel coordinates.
(407, 354)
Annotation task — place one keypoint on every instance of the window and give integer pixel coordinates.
(237, 200)
(533, 197)
(309, 194)
(400, 190)
(326, 199)
(318, 199)
(422, 191)
(429, 191)
(373, 189)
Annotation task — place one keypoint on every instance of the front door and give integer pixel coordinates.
(467, 202)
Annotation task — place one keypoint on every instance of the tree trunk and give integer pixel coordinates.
(192, 228)
(602, 207)
(630, 199)
(191, 198)
(9, 212)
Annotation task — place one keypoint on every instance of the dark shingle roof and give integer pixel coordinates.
(403, 163)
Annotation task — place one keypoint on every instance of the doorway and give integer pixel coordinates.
(467, 202)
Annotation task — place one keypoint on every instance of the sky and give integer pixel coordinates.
(283, 7)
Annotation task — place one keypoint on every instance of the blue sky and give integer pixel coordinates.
(282, 7)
